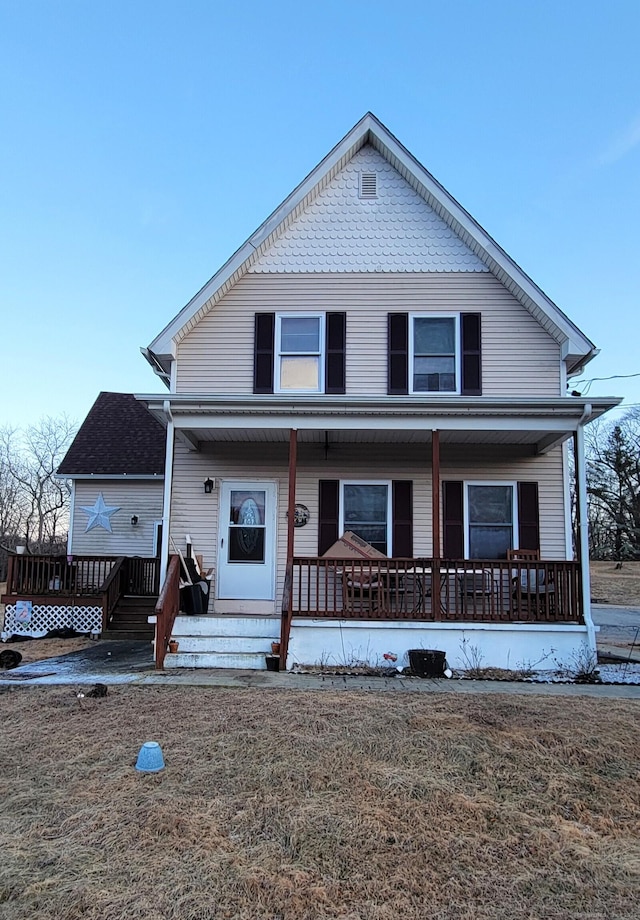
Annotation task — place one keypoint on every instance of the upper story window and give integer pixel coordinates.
(299, 353)
(434, 353)
(434, 343)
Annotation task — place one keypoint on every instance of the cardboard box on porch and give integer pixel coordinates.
(351, 545)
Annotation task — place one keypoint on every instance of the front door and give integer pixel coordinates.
(246, 569)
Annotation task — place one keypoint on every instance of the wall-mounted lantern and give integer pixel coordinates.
(134, 520)
(208, 486)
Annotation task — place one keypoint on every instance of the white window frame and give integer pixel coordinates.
(458, 354)
(368, 482)
(278, 355)
(514, 507)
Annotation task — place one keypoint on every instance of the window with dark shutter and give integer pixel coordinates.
(335, 373)
(398, 354)
(471, 340)
(263, 353)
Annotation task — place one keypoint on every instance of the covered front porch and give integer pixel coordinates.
(319, 436)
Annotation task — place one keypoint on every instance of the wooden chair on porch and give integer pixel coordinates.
(523, 555)
(362, 591)
(534, 590)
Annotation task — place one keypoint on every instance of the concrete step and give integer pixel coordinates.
(231, 660)
(224, 644)
(233, 626)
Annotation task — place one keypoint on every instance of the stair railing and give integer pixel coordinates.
(286, 615)
(113, 588)
(167, 610)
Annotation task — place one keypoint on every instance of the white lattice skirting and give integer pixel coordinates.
(45, 617)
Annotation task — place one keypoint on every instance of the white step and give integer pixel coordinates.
(225, 644)
(245, 662)
(234, 626)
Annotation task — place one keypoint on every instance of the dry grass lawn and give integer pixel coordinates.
(616, 586)
(291, 805)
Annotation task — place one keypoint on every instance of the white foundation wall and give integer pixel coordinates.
(197, 514)
(344, 643)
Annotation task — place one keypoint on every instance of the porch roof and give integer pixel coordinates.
(539, 422)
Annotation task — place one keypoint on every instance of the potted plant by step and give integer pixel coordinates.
(173, 646)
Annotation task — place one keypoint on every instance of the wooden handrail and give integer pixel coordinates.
(112, 591)
(285, 619)
(166, 610)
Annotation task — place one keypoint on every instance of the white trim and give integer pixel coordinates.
(368, 482)
(277, 352)
(568, 529)
(173, 376)
(72, 507)
(581, 488)
(457, 358)
(514, 508)
(122, 476)
(166, 499)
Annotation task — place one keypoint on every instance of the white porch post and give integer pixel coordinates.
(166, 501)
(583, 534)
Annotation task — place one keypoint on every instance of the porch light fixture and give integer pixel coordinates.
(208, 486)
(134, 520)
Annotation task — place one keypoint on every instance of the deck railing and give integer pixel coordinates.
(167, 609)
(79, 576)
(437, 590)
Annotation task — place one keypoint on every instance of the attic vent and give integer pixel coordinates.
(368, 185)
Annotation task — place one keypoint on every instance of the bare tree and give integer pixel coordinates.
(613, 482)
(38, 502)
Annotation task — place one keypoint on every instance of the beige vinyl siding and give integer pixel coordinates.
(197, 514)
(519, 358)
(134, 496)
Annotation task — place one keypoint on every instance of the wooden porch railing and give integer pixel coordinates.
(80, 576)
(436, 591)
(167, 610)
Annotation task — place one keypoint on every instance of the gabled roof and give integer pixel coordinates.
(577, 349)
(118, 437)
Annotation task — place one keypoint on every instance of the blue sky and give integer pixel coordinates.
(142, 142)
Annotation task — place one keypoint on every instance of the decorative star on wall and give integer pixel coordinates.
(99, 514)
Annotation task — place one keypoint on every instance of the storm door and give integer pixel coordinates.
(247, 548)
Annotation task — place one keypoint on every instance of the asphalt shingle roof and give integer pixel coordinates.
(119, 435)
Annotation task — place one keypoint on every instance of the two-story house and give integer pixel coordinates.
(370, 361)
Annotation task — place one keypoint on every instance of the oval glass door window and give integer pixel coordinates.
(247, 526)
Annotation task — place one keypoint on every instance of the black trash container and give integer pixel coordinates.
(427, 662)
(194, 599)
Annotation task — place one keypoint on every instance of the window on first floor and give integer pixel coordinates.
(491, 519)
(365, 509)
(299, 348)
(435, 354)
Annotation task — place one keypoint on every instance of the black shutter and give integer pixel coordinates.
(327, 514)
(528, 516)
(263, 344)
(471, 354)
(398, 354)
(336, 328)
(453, 519)
(402, 509)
